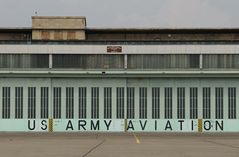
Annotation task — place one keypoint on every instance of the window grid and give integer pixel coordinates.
(142, 103)
(18, 102)
(219, 103)
(44, 102)
(206, 103)
(6, 102)
(193, 103)
(107, 102)
(57, 102)
(94, 102)
(32, 102)
(69, 102)
(120, 102)
(168, 103)
(130, 103)
(232, 103)
(155, 103)
(181, 102)
(82, 102)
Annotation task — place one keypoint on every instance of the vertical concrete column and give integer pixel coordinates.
(136, 100)
(88, 102)
(237, 102)
(63, 102)
(213, 103)
(50, 98)
(225, 103)
(200, 61)
(38, 102)
(187, 102)
(125, 61)
(174, 101)
(0, 100)
(162, 103)
(12, 102)
(114, 102)
(200, 102)
(101, 102)
(76, 102)
(50, 61)
(149, 102)
(25, 102)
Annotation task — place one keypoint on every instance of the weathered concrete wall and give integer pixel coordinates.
(58, 28)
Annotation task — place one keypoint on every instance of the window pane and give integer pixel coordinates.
(181, 103)
(130, 103)
(94, 102)
(219, 103)
(82, 102)
(107, 103)
(32, 102)
(120, 102)
(44, 102)
(168, 103)
(70, 102)
(155, 103)
(193, 103)
(142, 103)
(6, 102)
(206, 103)
(57, 102)
(19, 102)
(232, 103)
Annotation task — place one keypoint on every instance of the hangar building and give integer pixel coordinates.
(60, 70)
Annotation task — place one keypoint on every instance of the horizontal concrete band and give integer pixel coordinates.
(119, 125)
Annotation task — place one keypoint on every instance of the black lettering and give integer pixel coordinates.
(107, 124)
(44, 125)
(69, 125)
(192, 124)
(218, 125)
(95, 126)
(143, 126)
(168, 126)
(207, 125)
(181, 124)
(130, 125)
(81, 123)
(29, 125)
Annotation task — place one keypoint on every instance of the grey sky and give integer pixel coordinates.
(126, 13)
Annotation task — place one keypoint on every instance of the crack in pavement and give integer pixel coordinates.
(93, 148)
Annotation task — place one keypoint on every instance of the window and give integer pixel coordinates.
(120, 102)
(232, 103)
(130, 103)
(193, 103)
(107, 103)
(57, 102)
(44, 102)
(24, 61)
(69, 102)
(214, 61)
(206, 103)
(94, 102)
(88, 61)
(18, 102)
(142, 103)
(32, 102)
(168, 103)
(162, 61)
(181, 102)
(219, 103)
(82, 102)
(6, 102)
(155, 103)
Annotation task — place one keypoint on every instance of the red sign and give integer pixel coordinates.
(114, 49)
